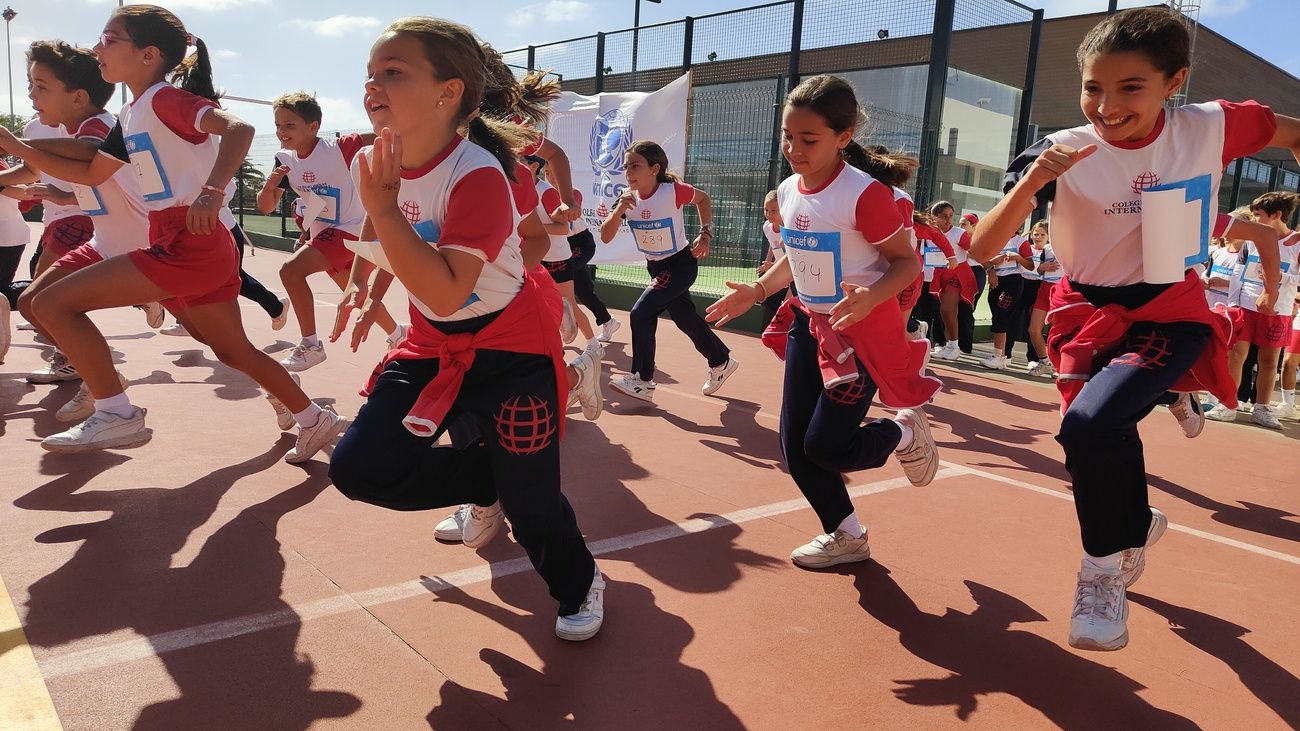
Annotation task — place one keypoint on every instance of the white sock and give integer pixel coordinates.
(119, 405)
(905, 443)
(1105, 564)
(851, 526)
(1288, 398)
(393, 335)
(308, 417)
(312, 340)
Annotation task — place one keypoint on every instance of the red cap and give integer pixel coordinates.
(971, 218)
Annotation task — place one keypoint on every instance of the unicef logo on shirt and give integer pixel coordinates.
(611, 135)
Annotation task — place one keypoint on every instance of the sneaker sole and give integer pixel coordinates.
(448, 537)
(599, 407)
(127, 441)
(721, 383)
(617, 387)
(299, 369)
(836, 561)
(486, 536)
(339, 426)
(582, 636)
(1087, 643)
(932, 466)
(46, 380)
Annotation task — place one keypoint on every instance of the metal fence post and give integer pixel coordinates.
(688, 42)
(532, 58)
(796, 42)
(935, 89)
(1236, 182)
(1027, 94)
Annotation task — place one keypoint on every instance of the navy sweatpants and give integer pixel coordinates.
(584, 289)
(670, 289)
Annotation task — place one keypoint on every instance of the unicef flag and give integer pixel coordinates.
(595, 132)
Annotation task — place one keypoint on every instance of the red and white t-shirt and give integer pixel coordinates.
(161, 139)
(773, 237)
(549, 200)
(656, 222)
(14, 231)
(325, 174)
(1252, 275)
(1017, 244)
(1097, 205)
(461, 201)
(51, 212)
(960, 242)
(1224, 264)
(121, 221)
(831, 233)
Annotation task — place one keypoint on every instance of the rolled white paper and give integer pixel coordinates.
(372, 252)
(1167, 230)
(315, 207)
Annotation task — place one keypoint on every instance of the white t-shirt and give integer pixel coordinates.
(548, 200)
(14, 231)
(656, 222)
(51, 212)
(115, 205)
(773, 240)
(324, 174)
(1223, 265)
(1252, 275)
(160, 137)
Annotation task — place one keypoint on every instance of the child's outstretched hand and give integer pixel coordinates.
(736, 303)
(380, 176)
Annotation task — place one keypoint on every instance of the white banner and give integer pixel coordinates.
(595, 131)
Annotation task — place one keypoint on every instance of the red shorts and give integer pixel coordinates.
(1044, 300)
(1266, 331)
(1293, 347)
(78, 259)
(963, 278)
(907, 299)
(193, 269)
(66, 234)
(329, 242)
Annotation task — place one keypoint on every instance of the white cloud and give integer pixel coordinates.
(336, 26)
(338, 113)
(179, 6)
(552, 11)
(226, 54)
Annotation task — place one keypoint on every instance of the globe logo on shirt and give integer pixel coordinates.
(802, 222)
(411, 210)
(645, 213)
(602, 210)
(611, 136)
(1144, 181)
(308, 177)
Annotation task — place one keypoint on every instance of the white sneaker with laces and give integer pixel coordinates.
(607, 330)
(82, 405)
(304, 356)
(154, 315)
(473, 525)
(102, 430)
(283, 416)
(718, 376)
(996, 362)
(1285, 411)
(587, 389)
(922, 330)
(1034, 368)
(1187, 410)
(398, 336)
(596, 348)
(1133, 561)
(6, 335)
(1263, 416)
(1221, 413)
(586, 622)
(175, 329)
(279, 321)
(632, 385)
(568, 325)
(830, 549)
(921, 460)
(57, 370)
(311, 439)
(949, 352)
(1099, 620)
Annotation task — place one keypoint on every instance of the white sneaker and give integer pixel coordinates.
(949, 352)
(830, 549)
(6, 335)
(278, 322)
(1035, 367)
(607, 330)
(1221, 413)
(1263, 416)
(587, 389)
(103, 430)
(304, 356)
(1285, 411)
(25, 326)
(1133, 561)
(921, 460)
(283, 416)
(398, 336)
(922, 330)
(57, 370)
(1187, 410)
(596, 348)
(996, 362)
(568, 325)
(719, 376)
(633, 386)
(82, 405)
(1099, 620)
(175, 329)
(473, 525)
(311, 439)
(154, 315)
(590, 616)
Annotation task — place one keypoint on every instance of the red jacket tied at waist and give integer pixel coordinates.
(1082, 334)
(879, 341)
(529, 324)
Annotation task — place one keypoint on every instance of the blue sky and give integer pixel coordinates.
(263, 47)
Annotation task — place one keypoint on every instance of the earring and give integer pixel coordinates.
(439, 103)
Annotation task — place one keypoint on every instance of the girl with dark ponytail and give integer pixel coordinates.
(185, 151)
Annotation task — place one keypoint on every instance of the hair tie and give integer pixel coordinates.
(189, 39)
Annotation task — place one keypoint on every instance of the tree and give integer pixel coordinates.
(248, 181)
(15, 123)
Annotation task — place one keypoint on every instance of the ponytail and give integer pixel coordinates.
(152, 25)
(654, 155)
(499, 138)
(194, 74)
(891, 168)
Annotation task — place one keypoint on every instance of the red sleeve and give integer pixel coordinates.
(93, 129)
(479, 218)
(685, 193)
(1026, 250)
(550, 200)
(905, 209)
(577, 196)
(535, 146)
(937, 238)
(523, 190)
(964, 241)
(179, 110)
(1222, 224)
(876, 217)
(350, 145)
(1248, 127)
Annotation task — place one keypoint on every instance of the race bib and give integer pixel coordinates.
(934, 257)
(148, 168)
(324, 202)
(88, 200)
(815, 260)
(1255, 270)
(1223, 272)
(654, 238)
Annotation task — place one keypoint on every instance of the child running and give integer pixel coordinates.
(652, 209)
(849, 253)
(583, 246)
(185, 150)
(483, 347)
(1004, 299)
(1048, 270)
(954, 285)
(1121, 343)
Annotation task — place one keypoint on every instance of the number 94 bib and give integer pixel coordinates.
(817, 264)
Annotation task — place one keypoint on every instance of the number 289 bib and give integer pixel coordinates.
(817, 264)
